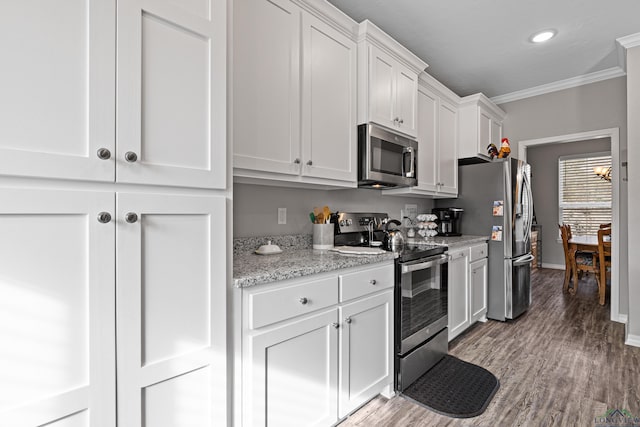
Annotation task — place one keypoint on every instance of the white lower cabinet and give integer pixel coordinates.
(478, 276)
(458, 281)
(84, 273)
(312, 362)
(467, 281)
(366, 350)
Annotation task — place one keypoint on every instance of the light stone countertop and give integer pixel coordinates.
(297, 259)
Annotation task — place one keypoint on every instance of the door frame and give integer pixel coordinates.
(614, 135)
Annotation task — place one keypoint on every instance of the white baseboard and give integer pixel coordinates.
(621, 318)
(633, 340)
(553, 266)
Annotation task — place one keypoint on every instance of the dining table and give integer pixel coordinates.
(580, 243)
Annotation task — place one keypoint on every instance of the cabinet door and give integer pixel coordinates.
(406, 101)
(171, 313)
(366, 350)
(266, 79)
(57, 305)
(381, 88)
(478, 272)
(484, 131)
(458, 294)
(291, 374)
(57, 82)
(329, 145)
(172, 92)
(427, 141)
(496, 133)
(448, 148)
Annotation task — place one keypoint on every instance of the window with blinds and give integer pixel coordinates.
(585, 198)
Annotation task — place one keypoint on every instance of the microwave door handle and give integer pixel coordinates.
(412, 161)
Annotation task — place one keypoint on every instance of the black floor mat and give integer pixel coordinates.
(454, 388)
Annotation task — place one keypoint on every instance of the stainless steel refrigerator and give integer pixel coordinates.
(497, 201)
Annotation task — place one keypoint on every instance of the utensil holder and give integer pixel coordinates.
(322, 236)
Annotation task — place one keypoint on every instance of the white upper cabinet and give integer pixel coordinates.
(437, 142)
(329, 138)
(294, 105)
(57, 82)
(480, 125)
(171, 93)
(388, 81)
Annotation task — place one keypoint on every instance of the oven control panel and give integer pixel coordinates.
(349, 222)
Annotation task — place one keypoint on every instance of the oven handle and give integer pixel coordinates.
(440, 259)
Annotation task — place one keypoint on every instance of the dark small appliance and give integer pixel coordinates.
(449, 220)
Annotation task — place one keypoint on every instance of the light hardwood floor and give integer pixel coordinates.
(560, 364)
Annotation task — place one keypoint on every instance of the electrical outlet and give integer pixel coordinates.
(282, 215)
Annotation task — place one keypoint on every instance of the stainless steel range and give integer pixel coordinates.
(420, 295)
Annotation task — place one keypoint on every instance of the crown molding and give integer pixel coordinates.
(585, 79)
(481, 99)
(371, 33)
(427, 80)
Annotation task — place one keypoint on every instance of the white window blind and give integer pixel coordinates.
(585, 198)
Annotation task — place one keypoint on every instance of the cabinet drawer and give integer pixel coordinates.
(479, 252)
(357, 284)
(273, 305)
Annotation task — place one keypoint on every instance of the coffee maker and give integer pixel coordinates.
(449, 220)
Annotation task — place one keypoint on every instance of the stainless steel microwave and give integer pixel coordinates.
(385, 159)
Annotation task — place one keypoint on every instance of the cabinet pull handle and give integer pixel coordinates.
(296, 161)
(131, 217)
(104, 217)
(401, 121)
(335, 325)
(104, 153)
(347, 320)
(373, 281)
(130, 157)
(303, 301)
(309, 163)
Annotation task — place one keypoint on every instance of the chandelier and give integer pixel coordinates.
(603, 172)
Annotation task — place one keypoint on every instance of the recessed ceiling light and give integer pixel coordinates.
(543, 36)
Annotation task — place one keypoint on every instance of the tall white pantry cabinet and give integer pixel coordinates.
(113, 201)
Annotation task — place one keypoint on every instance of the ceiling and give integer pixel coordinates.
(476, 46)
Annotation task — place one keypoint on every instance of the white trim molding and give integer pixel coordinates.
(597, 76)
(633, 340)
(624, 43)
(553, 266)
(614, 135)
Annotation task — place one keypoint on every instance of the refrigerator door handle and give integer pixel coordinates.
(527, 187)
(525, 259)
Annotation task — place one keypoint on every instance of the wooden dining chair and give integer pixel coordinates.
(604, 261)
(583, 261)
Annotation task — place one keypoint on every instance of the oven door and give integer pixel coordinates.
(422, 301)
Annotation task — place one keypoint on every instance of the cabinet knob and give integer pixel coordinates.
(335, 325)
(130, 157)
(296, 161)
(373, 281)
(131, 217)
(347, 320)
(309, 163)
(401, 121)
(303, 301)
(104, 217)
(104, 154)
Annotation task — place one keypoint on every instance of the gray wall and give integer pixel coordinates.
(633, 97)
(255, 207)
(595, 106)
(544, 165)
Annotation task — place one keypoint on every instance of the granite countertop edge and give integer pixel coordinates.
(298, 259)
